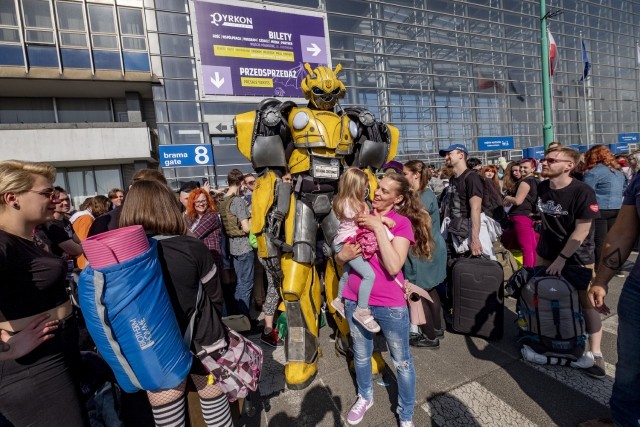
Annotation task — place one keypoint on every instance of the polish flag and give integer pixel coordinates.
(553, 54)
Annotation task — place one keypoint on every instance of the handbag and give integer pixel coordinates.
(237, 368)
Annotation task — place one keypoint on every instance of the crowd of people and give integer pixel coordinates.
(566, 209)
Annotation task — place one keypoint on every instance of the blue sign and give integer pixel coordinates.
(184, 155)
(620, 147)
(486, 143)
(533, 152)
(629, 137)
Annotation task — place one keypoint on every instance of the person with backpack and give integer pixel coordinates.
(567, 208)
(236, 219)
(520, 202)
(186, 265)
(621, 240)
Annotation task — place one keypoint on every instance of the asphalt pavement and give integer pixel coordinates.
(466, 382)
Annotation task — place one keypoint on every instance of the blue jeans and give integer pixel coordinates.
(625, 399)
(364, 269)
(394, 322)
(243, 264)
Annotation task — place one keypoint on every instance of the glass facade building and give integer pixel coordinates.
(442, 71)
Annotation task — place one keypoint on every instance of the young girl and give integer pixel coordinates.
(347, 205)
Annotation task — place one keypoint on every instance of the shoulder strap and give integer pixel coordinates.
(188, 334)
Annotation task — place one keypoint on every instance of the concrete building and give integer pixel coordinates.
(94, 86)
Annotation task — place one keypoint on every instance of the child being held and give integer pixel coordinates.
(347, 205)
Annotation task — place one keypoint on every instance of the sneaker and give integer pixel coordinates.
(339, 306)
(357, 411)
(597, 370)
(406, 424)
(271, 339)
(364, 317)
(440, 333)
(421, 341)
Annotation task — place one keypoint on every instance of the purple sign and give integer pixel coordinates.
(246, 51)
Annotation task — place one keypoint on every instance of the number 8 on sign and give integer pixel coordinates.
(202, 155)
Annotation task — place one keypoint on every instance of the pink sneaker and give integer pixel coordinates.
(339, 306)
(364, 317)
(357, 411)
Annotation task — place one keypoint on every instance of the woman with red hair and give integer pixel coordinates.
(491, 173)
(602, 173)
(204, 222)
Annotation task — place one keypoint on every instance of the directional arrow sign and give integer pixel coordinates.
(314, 49)
(217, 81)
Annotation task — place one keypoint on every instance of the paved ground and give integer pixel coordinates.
(467, 382)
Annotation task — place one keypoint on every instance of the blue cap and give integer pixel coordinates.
(452, 147)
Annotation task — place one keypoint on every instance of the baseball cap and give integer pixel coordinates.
(452, 147)
(393, 164)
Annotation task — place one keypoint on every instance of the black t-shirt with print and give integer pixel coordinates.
(54, 232)
(525, 208)
(185, 262)
(560, 210)
(461, 190)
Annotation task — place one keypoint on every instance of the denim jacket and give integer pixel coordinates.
(608, 184)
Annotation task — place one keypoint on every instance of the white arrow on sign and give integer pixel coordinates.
(315, 49)
(217, 82)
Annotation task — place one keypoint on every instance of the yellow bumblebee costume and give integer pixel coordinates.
(315, 144)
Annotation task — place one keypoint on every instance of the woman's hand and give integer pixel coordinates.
(370, 222)
(349, 251)
(24, 342)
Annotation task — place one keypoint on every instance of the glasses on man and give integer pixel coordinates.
(49, 193)
(552, 160)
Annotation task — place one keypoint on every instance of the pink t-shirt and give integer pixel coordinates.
(385, 291)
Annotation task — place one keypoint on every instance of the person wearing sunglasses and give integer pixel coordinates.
(568, 207)
(39, 356)
(57, 235)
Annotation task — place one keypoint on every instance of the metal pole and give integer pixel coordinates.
(547, 129)
(586, 105)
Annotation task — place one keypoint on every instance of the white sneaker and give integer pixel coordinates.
(531, 356)
(406, 424)
(586, 361)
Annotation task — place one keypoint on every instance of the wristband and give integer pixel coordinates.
(564, 257)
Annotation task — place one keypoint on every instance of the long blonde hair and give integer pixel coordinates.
(412, 208)
(352, 190)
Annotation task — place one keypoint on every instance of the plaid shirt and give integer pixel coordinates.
(209, 230)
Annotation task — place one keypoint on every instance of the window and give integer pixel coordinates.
(132, 29)
(71, 25)
(81, 110)
(27, 110)
(8, 22)
(103, 27)
(37, 21)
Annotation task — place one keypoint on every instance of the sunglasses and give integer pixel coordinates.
(552, 161)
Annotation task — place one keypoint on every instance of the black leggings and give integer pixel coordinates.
(42, 388)
(601, 227)
(433, 315)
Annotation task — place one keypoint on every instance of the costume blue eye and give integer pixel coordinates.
(317, 91)
(336, 91)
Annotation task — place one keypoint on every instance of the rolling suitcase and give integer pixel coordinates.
(478, 302)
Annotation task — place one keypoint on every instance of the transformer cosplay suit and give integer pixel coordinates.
(315, 144)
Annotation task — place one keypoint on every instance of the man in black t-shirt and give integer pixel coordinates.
(57, 235)
(465, 197)
(568, 207)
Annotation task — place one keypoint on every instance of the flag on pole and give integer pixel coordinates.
(553, 54)
(585, 59)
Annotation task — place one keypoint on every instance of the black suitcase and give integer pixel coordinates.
(478, 302)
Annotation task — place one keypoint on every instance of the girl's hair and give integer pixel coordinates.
(191, 202)
(86, 204)
(418, 166)
(494, 169)
(17, 176)
(352, 190)
(599, 154)
(151, 205)
(99, 205)
(508, 182)
(412, 208)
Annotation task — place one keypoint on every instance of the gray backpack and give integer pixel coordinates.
(550, 317)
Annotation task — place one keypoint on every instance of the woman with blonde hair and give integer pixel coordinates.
(204, 222)
(39, 353)
(430, 270)
(186, 263)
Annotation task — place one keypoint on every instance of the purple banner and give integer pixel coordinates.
(246, 51)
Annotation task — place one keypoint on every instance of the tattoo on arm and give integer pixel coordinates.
(613, 260)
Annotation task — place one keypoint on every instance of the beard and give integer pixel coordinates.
(550, 174)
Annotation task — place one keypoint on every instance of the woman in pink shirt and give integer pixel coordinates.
(395, 200)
